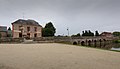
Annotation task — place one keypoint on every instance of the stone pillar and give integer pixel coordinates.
(89, 43)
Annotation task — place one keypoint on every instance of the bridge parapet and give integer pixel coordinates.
(95, 42)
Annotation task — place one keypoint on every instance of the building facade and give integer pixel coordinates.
(106, 34)
(26, 28)
(3, 31)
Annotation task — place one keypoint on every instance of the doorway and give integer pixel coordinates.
(20, 35)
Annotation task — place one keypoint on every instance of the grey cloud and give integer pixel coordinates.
(78, 15)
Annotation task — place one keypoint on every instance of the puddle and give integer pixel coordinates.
(118, 49)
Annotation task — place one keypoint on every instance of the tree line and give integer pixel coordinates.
(49, 30)
(87, 33)
(116, 33)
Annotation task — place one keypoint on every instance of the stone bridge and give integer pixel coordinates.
(84, 41)
(94, 41)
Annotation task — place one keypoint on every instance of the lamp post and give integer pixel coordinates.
(68, 30)
(70, 39)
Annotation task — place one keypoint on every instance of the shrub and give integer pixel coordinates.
(116, 41)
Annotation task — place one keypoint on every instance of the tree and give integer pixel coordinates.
(9, 32)
(96, 33)
(9, 29)
(77, 35)
(116, 33)
(87, 33)
(83, 33)
(49, 30)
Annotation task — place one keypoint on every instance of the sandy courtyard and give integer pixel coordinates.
(56, 56)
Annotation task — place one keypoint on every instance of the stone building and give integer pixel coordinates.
(3, 31)
(106, 34)
(26, 28)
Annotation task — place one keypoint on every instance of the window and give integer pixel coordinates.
(35, 35)
(28, 29)
(35, 29)
(20, 34)
(20, 28)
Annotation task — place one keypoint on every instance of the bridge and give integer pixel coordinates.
(94, 41)
(83, 41)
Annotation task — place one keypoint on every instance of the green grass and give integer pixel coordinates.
(115, 50)
(118, 41)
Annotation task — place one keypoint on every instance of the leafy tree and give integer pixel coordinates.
(9, 32)
(48, 30)
(77, 35)
(83, 32)
(9, 29)
(90, 33)
(87, 33)
(96, 33)
(116, 33)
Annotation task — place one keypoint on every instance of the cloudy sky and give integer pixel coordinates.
(78, 15)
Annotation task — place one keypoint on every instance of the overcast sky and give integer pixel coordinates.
(78, 15)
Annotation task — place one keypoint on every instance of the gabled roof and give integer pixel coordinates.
(27, 22)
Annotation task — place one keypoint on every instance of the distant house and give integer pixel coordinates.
(26, 28)
(3, 31)
(106, 34)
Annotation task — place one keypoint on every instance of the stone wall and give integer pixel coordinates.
(11, 40)
(3, 33)
(99, 42)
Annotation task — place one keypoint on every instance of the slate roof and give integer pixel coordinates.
(27, 22)
(3, 28)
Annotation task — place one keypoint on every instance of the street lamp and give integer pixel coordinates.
(68, 30)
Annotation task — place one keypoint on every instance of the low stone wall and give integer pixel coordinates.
(83, 41)
(11, 40)
(54, 39)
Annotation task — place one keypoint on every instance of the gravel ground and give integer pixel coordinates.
(56, 56)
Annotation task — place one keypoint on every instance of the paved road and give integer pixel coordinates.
(56, 56)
